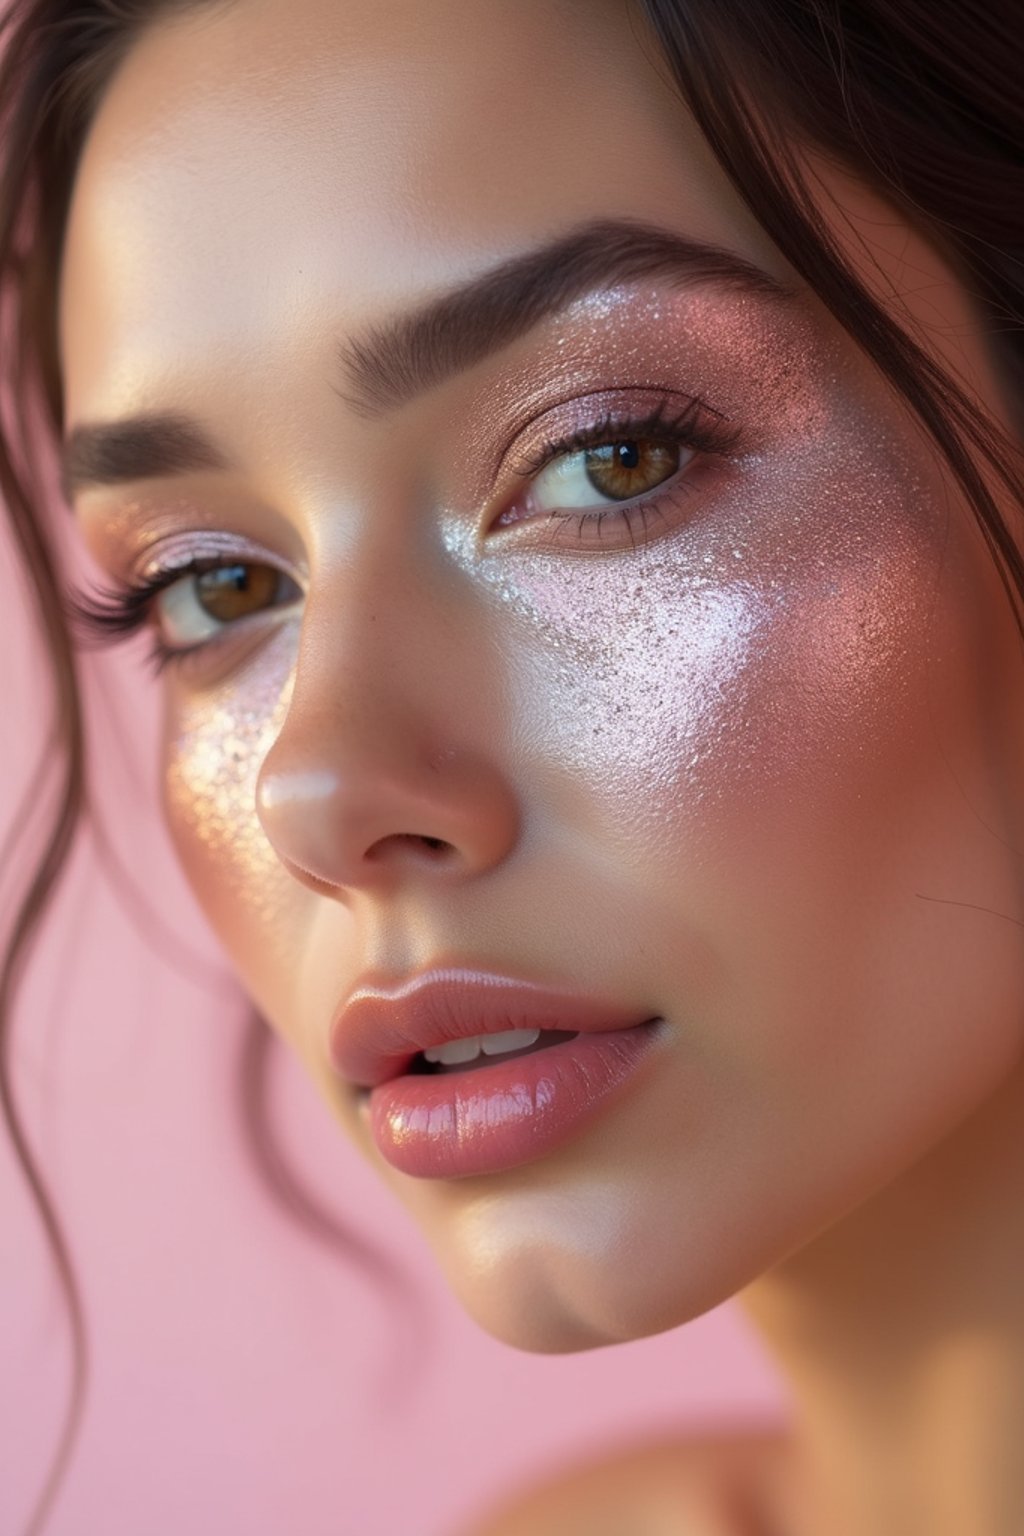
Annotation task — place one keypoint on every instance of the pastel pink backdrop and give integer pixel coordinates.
(237, 1366)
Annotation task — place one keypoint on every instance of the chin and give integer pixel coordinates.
(544, 1328)
(531, 1307)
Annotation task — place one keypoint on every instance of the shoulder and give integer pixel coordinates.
(704, 1485)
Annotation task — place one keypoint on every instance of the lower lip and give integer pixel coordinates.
(454, 1124)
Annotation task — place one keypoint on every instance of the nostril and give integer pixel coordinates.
(435, 847)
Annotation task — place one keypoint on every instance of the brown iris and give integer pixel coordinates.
(232, 591)
(630, 466)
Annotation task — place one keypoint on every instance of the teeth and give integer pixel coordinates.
(458, 1051)
(455, 1051)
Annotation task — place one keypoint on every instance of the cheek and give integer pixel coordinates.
(793, 740)
(767, 656)
(822, 648)
(214, 744)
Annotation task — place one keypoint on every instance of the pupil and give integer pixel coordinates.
(628, 455)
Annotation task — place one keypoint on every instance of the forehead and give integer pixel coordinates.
(257, 168)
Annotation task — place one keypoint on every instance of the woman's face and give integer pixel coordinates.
(722, 726)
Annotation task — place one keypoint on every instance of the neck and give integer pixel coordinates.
(901, 1333)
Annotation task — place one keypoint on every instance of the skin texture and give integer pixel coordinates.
(760, 775)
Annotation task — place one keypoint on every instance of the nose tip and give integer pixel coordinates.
(446, 815)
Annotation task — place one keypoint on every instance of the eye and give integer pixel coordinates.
(622, 478)
(607, 472)
(200, 605)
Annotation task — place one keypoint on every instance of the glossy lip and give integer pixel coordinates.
(380, 1029)
(510, 1112)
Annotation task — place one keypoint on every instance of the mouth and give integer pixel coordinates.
(459, 1073)
(454, 1021)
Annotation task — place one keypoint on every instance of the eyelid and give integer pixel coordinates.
(184, 546)
(551, 427)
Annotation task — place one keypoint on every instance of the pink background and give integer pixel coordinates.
(237, 1367)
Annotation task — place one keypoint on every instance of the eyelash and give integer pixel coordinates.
(695, 426)
(111, 614)
(108, 615)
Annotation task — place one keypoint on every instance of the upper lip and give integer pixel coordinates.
(383, 1025)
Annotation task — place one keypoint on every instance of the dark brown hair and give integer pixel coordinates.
(917, 97)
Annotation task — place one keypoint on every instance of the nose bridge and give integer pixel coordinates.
(390, 641)
(389, 759)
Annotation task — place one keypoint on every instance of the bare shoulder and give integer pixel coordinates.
(703, 1485)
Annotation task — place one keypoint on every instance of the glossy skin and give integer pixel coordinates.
(760, 774)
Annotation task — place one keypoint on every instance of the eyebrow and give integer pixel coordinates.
(138, 448)
(398, 359)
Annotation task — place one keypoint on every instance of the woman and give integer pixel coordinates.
(565, 459)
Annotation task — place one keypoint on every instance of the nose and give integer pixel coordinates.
(386, 768)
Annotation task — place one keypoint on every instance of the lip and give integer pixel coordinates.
(497, 1116)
